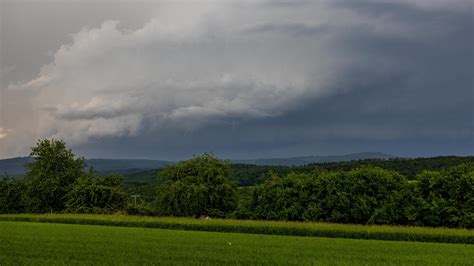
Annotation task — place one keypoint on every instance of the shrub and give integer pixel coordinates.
(103, 194)
(197, 187)
(12, 196)
(363, 195)
(449, 196)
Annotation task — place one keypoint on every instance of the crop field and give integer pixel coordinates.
(68, 244)
(376, 232)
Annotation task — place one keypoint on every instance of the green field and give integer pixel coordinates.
(50, 244)
(402, 233)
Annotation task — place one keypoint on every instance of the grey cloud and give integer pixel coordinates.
(293, 29)
(308, 78)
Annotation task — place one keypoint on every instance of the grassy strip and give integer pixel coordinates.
(64, 244)
(397, 233)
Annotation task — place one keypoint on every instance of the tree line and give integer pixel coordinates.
(367, 195)
(57, 181)
(250, 175)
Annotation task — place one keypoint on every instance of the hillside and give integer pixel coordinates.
(16, 166)
(303, 160)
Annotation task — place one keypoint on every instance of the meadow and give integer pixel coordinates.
(68, 244)
(376, 232)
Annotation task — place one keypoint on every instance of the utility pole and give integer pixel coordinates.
(135, 198)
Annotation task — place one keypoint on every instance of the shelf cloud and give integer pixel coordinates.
(207, 65)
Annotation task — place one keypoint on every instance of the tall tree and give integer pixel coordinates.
(51, 175)
(196, 187)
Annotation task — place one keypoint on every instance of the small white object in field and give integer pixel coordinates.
(230, 244)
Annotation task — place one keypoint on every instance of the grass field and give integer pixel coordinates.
(56, 244)
(425, 234)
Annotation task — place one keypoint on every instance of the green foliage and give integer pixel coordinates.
(342, 197)
(280, 198)
(408, 167)
(57, 182)
(196, 187)
(12, 196)
(249, 175)
(244, 209)
(142, 208)
(333, 192)
(51, 175)
(449, 196)
(143, 176)
(147, 192)
(403, 207)
(367, 195)
(102, 194)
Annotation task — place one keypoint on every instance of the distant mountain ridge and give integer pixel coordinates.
(303, 160)
(16, 166)
(102, 165)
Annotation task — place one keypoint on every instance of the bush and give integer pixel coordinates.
(448, 196)
(344, 197)
(197, 187)
(12, 196)
(142, 209)
(103, 194)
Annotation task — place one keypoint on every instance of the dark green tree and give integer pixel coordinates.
(196, 187)
(51, 175)
(12, 195)
(449, 196)
(357, 196)
(280, 198)
(102, 194)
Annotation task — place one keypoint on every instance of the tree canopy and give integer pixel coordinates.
(196, 187)
(51, 175)
(58, 181)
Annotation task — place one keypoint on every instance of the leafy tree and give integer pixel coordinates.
(51, 175)
(343, 196)
(249, 175)
(102, 194)
(196, 187)
(280, 198)
(449, 196)
(403, 207)
(12, 195)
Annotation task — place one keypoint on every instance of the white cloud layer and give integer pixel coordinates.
(183, 72)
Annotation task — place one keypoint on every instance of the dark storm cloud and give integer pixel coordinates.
(293, 29)
(390, 76)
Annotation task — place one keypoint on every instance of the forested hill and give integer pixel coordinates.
(251, 174)
(304, 160)
(248, 174)
(404, 166)
(146, 171)
(16, 166)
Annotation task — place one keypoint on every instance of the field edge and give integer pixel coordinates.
(418, 234)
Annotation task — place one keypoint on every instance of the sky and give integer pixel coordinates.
(242, 79)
